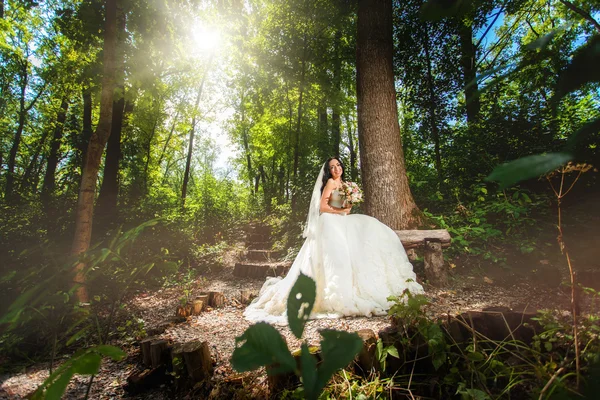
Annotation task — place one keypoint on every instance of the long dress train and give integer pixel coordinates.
(357, 263)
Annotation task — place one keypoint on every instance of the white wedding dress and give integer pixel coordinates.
(356, 262)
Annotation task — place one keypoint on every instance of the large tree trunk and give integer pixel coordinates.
(86, 131)
(469, 65)
(387, 194)
(109, 190)
(50, 175)
(85, 204)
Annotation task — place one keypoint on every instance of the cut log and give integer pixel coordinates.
(259, 245)
(184, 311)
(145, 350)
(196, 358)
(159, 352)
(246, 296)
(263, 255)
(366, 361)
(416, 238)
(198, 306)
(435, 272)
(141, 381)
(260, 270)
(216, 299)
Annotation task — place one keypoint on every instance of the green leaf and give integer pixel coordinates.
(57, 387)
(591, 128)
(262, 345)
(392, 351)
(582, 69)
(338, 349)
(476, 394)
(309, 372)
(111, 351)
(87, 364)
(527, 167)
(475, 356)
(300, 303)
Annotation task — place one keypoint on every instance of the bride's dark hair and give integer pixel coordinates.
(327, 172)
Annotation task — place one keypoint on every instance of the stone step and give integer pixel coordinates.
(260, 270)
(263, 255)
(258, 245)
(257, 237)
(258, 229)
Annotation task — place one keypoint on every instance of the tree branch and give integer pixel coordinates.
(582, 12)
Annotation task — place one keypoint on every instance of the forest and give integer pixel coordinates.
(147, 148)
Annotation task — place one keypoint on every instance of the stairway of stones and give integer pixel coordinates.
(260, 261)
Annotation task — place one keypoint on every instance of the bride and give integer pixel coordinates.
(355, 260)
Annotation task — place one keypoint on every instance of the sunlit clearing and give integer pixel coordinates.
(205, 38)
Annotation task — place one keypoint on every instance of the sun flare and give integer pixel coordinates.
(205, 38)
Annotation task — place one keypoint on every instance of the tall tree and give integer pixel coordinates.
(52, 160)
(87, 190)
(388, 196)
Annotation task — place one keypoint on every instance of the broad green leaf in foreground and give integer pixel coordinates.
(262, 345)
(300, 303)
(309, 373)
(527, 167)
(338, 349)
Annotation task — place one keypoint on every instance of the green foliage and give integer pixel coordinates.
(262, 345)
(84, 362)
(489, 218)
(484, 368)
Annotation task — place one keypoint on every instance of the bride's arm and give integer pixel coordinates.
(325, 206)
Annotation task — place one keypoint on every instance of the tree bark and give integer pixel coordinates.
(109, 190)
(586, 15)
(49, 184)
(87, 190)
(298, 128)
(469, 65)
(387, 194)
(86, 131)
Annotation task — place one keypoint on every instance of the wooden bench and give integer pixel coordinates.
(432, 242)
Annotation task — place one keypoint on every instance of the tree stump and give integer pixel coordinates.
(145, 350)
(197, 306)
(366, 360)
(184, 311)
(159, 352)
(195, 357)
(216, 299)
(139, 382)
(435, 272)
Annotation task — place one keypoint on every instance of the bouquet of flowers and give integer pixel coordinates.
(352, 192)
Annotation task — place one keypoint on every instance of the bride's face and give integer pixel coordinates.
(335, 168)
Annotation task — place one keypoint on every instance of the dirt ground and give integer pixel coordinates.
(525, 283)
